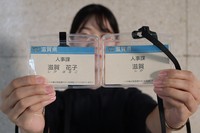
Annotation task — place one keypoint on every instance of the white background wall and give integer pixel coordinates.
(20, 19)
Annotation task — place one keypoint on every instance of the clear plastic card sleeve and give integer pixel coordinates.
(132, 62)
(72, 66)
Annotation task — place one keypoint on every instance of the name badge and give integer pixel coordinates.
(64, 66)
(133, 65)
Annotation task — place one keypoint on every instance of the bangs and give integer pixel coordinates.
(101, 22)
(83, 23)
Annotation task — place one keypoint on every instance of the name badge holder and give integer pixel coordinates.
(129, 62)
(67, 60)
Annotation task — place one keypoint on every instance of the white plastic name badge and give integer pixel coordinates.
(64, 66)
(133, 65)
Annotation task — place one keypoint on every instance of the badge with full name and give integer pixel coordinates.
(64, 66)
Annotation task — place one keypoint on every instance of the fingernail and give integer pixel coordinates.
(39, 80)
(52, 99)
(52, 94)
(162, 74)
(49, 89)
(158, 83)
(49, 101)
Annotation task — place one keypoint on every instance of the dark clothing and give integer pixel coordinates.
(105, 110)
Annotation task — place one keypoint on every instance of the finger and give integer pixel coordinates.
(185, 85)
(182, 96)
(30, 91)
(23, 92)
(41, 105)
(23, 81)
(25, 103)
(178, 74)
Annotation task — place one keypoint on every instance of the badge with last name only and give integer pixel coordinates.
(67, 66)
(131, 63)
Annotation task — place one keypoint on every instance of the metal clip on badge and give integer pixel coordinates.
(63, 39)
(144, 32)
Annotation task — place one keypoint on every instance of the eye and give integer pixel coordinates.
(84, 32)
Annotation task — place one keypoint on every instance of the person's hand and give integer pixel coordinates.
(23, 101)
(180, 91)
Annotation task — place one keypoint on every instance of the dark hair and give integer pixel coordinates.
(101, 14)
